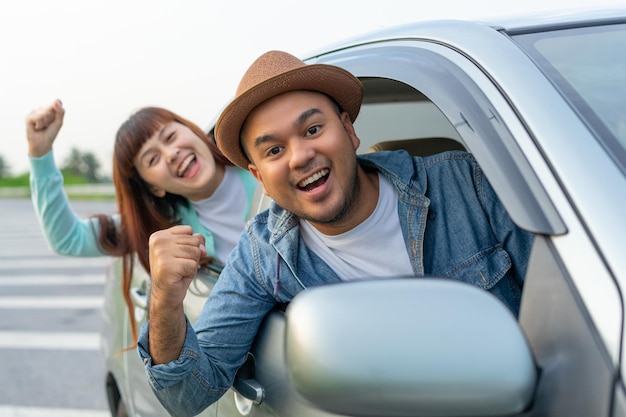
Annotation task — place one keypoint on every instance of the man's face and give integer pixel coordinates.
(304, 155)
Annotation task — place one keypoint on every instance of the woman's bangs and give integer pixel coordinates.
(132, 135)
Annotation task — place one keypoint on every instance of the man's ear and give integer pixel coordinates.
(256, 174)
(349, 128)
(157, 192)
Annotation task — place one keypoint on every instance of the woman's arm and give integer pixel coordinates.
(65, 232)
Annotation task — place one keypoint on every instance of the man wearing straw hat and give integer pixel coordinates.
(335, 217)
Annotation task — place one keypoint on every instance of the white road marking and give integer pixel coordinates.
(28, 280)
(19, 411)
(49, 340)
(51, 302)
(55, 262)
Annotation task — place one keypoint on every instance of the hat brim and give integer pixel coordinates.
(333, 81)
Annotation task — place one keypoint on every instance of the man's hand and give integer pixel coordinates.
(42, 127)
(174, 258)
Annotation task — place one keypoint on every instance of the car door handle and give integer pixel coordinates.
(246, 385)
(249, 388)
(139, 297)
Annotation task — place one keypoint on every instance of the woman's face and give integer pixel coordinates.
(175, 160)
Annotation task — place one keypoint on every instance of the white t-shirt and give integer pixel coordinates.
(373, 249)
(223, 212)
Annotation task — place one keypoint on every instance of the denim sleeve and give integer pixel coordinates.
(177, 384)
(515, 241)
(65, 232)
(218, 342)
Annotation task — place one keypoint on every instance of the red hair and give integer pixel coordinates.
(141, 212)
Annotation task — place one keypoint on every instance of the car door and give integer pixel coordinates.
(571, 308)
(417, 93)
(140, 398)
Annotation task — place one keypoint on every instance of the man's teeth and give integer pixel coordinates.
(185, 164)
(313, 178)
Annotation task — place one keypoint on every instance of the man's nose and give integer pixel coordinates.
(300, 152)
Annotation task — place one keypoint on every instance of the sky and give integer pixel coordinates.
(106, 59)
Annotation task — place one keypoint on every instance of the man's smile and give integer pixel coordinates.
(314, 180)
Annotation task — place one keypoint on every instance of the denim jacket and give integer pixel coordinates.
(453, 225)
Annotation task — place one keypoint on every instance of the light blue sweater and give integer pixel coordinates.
(68, 234)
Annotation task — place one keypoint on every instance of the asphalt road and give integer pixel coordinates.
(50, 306)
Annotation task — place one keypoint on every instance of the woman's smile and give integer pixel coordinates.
(188, 167)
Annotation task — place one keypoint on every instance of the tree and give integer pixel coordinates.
(5, 169)
(83, 164)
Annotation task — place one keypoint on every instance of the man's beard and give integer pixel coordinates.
(347, 206)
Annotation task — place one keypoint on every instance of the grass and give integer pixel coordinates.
(19, 181)
(23, 180)
(18, 186)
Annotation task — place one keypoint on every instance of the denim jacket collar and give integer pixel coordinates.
(408, 178)
(406, 174)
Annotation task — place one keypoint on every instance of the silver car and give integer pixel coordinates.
(541, 103)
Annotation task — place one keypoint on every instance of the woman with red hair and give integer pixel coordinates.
(166, 171)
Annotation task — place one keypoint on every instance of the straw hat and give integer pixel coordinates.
(274, 73)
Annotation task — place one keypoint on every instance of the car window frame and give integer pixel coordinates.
(465, 106)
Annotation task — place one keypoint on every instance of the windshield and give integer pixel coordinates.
(588, 66)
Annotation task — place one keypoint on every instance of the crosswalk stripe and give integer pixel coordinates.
(19, 411)
(55, 261)
(27, 280)
(49, 340)
(51, 302)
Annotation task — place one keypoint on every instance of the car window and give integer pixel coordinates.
(588, 67)
(413, 117)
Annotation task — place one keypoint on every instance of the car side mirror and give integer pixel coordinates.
(408, 347)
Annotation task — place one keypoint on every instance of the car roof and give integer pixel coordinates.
(460, 32)
(542, 21)
(443, 29)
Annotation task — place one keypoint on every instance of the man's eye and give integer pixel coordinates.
(274, 151)
(312, 130)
